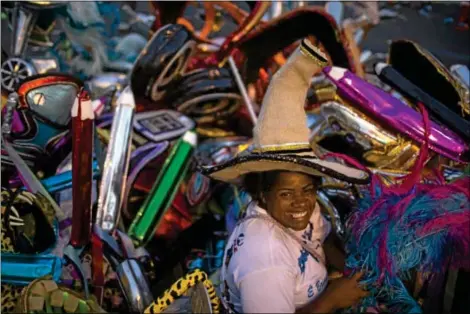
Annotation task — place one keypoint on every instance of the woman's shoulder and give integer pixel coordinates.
(259, 229)
(262, 244)
(255, 250)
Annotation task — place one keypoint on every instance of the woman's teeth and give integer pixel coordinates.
(298, 215)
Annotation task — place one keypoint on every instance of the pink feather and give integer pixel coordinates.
(460, 220)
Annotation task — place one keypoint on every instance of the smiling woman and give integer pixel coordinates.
(276, 257)
(267, 269)
(289, 197)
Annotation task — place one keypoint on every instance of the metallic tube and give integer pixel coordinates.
(82, 159)
(63, 181)
(275, 10)
(388, 110)
(21, 269)
(164, 189)
(156, 150)
(357, 122)
(134, 284)
(438, 110)
(113, 182)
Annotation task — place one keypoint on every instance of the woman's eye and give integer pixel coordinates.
(285, 194)
(310, 191)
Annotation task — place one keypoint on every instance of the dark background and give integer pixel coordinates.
(443, 40)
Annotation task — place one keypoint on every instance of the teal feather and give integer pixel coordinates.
(392, 234)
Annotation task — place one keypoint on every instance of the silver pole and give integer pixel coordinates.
(242, 88)
(116, 165)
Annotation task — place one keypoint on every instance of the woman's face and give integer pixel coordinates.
(291, 200)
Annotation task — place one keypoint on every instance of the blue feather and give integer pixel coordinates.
(406, 250)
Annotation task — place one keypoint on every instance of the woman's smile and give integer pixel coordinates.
(299, 215)
(297, 219)
(291, 200)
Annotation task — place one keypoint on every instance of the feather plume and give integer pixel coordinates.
(407, 227)
(427, 230)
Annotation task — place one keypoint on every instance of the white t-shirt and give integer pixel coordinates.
(266, 271)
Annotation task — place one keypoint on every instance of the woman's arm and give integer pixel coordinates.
(335, 255)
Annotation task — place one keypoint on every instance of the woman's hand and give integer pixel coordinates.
(340, 293)
(345, 292)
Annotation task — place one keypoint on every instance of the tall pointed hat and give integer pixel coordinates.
(280, 137)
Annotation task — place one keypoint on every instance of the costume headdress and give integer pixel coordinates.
(281, 136)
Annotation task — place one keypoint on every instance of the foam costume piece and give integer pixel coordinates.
(285, 148)
(410, 60)
(388, 110)
(441, 112)
(232, 40)
(411, 226)
(140, 159)
(40, 120)
(82, 169)
(21, 269)
(45, 296)
(361, 138)
(164, 189)
(32, 184)
(27, 238)
(180, 287)
(63, 181)
(164, 57)
(113, 181)
(281, 32)
(205, 95)
(29, 233)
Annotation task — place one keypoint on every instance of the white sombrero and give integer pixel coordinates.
(281, 136)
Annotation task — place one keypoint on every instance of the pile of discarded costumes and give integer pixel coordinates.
(107, 115)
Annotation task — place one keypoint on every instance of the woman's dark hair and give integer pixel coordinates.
(256, 183)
